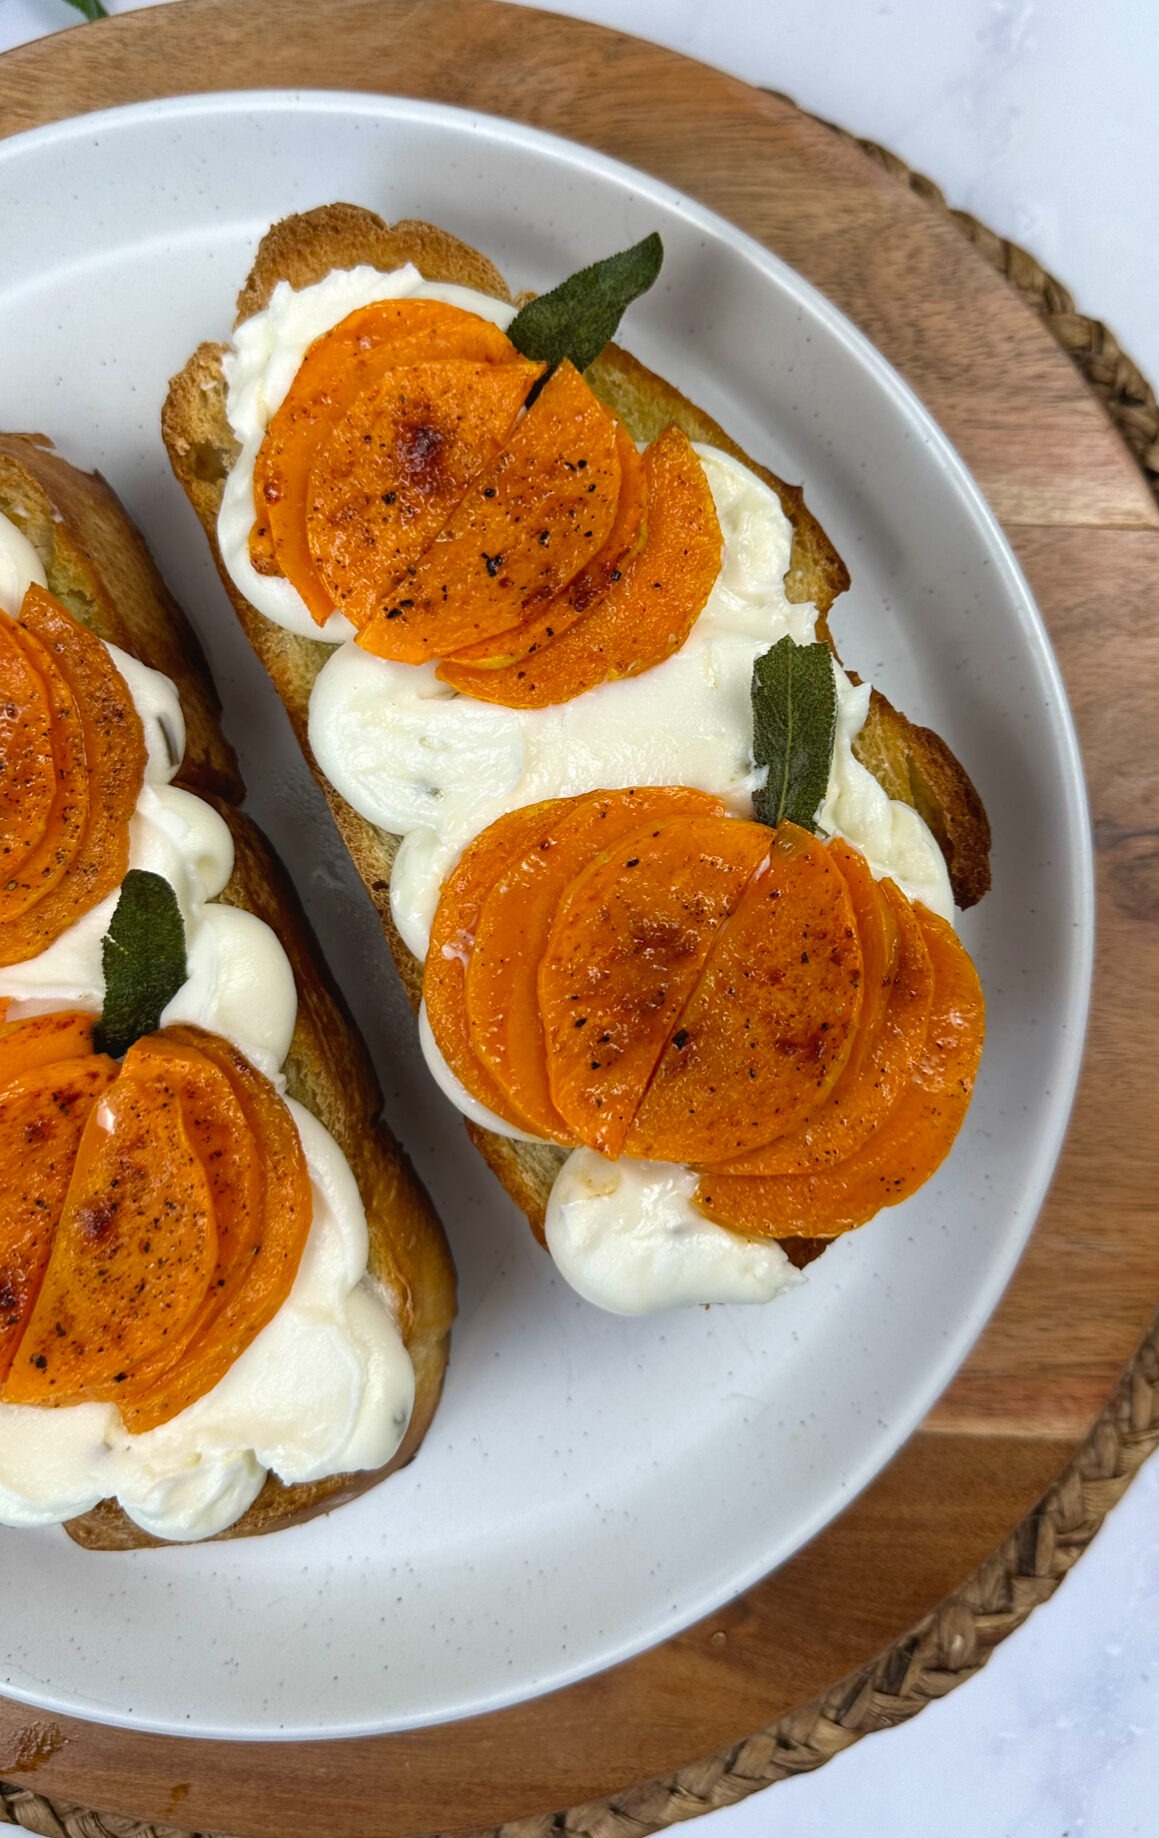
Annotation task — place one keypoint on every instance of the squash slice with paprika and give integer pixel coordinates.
(909, 1147)
(626, 949)
(452, 942)
(515, 923)
(768, 1027)
(185, 1217)
(642, 616)
(42, 1040)
(50, 1080)
(895, 1019)
(525, 527)
(263, 1206)
(337, 369)
(385, 481)
(73, 848)
(43, 788)
(625, 538)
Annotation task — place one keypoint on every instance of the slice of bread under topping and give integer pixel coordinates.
(910, 762)
(98, 565)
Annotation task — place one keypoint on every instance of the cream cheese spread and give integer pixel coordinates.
(327, 1387)
(626, 1235)
(435, 768)
(20, 566)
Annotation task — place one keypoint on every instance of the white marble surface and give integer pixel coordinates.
(1039, 116)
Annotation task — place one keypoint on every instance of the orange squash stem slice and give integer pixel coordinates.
(43, 1114)
(642, 617)
(526, 526)
(466, 888)
(627, 534)
(626, 948)
(337, 369)
(114, 769)
(909, 1147)
(515, 923)
(767, 1030)
(384, 482)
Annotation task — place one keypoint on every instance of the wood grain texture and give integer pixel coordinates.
(1086, 529)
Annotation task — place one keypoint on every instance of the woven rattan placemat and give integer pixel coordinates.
(955, 1641)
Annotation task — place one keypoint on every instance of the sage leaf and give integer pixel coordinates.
(794, 727)
(143, 955)
(92, 9)
(577, 318)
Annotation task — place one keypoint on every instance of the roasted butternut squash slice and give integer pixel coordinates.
(464, 892)
(263, 1207)
(42, 793)
(50, 1079)
(642, 616)
(135, 1246)
(626, 949)
(180, 1233)
(526, 526)
(44, 797)
(626, 537)
(337, 369)
(909, 1147)
(767, 1030)
(41, 1040)
(894, 1016)
(384, 482)
(514, 925)
(74, 848)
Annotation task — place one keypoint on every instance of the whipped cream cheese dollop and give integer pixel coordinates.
(327, 1387)
(434, 767)
(20, 566)
(626, 1235)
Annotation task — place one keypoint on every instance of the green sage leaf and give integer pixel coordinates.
(143, 954)
(577, 318)
(794, 727)
(92, 9)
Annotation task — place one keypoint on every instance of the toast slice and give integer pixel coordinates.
(97, 563)
(911, 762)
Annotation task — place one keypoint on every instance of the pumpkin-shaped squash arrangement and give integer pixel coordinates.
(643, 973)
(160, 1187)
(153, 1218)
(456, 503)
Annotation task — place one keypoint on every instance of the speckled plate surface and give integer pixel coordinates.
(590, 1485)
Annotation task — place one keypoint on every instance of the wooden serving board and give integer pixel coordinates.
(1086, 530)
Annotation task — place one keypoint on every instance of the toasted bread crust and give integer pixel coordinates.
(98, 566)
(202, 449)
(304, 248)
(89, 544)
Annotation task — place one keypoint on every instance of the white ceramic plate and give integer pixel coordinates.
(590, 1485)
